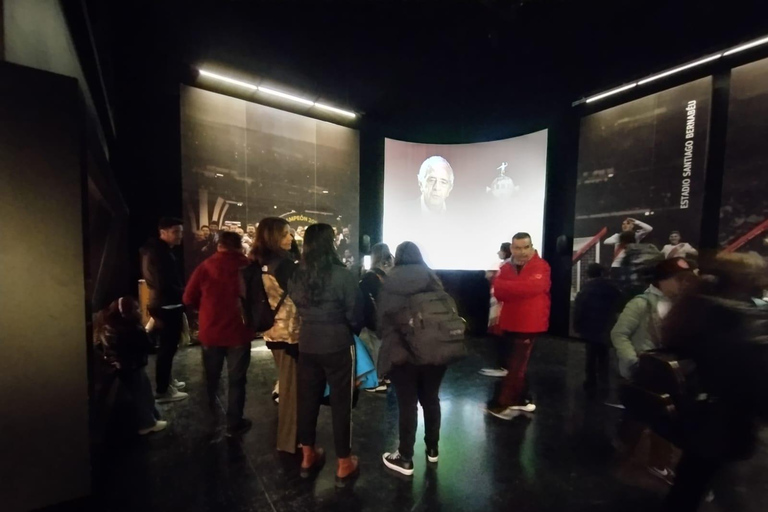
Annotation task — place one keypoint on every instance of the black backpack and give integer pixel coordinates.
(257, 313)
(433, 329)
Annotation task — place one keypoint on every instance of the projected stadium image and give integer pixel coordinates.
(459, 202)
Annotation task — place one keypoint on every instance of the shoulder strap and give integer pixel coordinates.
(280, 303)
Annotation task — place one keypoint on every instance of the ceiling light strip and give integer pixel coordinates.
(280, 94)
(746, 46)
(680, 68)
(611, 92)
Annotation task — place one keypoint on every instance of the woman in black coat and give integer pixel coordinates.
(413, 383)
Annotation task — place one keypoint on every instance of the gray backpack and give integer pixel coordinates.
(433, 329)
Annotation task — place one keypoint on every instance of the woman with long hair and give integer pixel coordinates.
(271, 251)
(414, 383)
(330, 308)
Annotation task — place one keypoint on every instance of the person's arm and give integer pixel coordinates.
(150, 270)
(535, 283)
(645, 230)
(621, 335)
(688, 249)
(193, 291)
(612, 240)
(353, 302)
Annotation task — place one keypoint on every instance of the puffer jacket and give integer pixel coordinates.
(276, 274)
(402, 282)
(637, 330)
(524, 296)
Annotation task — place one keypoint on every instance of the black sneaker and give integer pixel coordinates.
(396, 462)
(240, 428)
(432, 455)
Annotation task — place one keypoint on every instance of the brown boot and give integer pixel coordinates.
(348, 471)
(313, 461)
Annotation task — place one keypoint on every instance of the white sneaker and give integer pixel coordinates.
(504, 413)
(178, 384)
(381, 388)
(157, 427)
(529, 407)
(493, 372)
(171, 395)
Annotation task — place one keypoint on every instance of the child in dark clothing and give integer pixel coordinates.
(595, 312)
(125, 346)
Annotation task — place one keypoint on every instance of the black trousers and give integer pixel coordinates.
(694, 476)
(417, 385)
(238, 360)
(137, 385)
(168, 336)
(335, 369)
(597, 365)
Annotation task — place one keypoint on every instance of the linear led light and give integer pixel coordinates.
(747, 46)
(680, 68)
(291, 97)
(611, 92)
(334, 109)
(228, 80)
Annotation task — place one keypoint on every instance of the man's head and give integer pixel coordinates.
(251, 230)
(595, 271)
(522, 248)
(206, 231)
(300, 231)
(381, 257)
(674, 237)
(345, 232)
(226, 228)
(435, 181)
(670, 276)
(230, 241)
(214, 227)
(628, 225)
(171, 230)
(199, 236)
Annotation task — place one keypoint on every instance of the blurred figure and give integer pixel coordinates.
(494, 311)
(349, 259)
(345, 242)
(126, 347)
(330, 308)
(163, 273)
(251, 231)
(414, 383)
(723, 327)
(206, 231)
(522, 287)
(382, 262)
(595, 312)
(272, 252)
(638, 330)
(435, 183)
(638, 231)
(678, 249)
(214, 290)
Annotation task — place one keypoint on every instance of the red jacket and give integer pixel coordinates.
(214, 289)
(524, 296)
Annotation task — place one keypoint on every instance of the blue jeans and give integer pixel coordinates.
(238, 360)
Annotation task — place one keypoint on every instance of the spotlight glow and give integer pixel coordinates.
(680, 68)
(611, 92)
(228, 80)
(747, 46)
(291, 97)
(336, 110)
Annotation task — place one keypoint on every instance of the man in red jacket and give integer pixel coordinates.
(214, 289)
(522, 288)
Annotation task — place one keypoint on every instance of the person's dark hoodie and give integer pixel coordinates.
(370, 285)
(162, 270)
(409, 277)
(596, 310)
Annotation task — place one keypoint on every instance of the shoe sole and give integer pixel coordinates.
(432, 460)
(315, 468)
(497, 375)
(500, 415)
(398, 469)
(523, 408)
(342, 482)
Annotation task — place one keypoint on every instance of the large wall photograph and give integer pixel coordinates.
(744, 208)
(459, 202)
(243, 161)
(641, 165)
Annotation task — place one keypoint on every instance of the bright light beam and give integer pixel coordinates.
(611, 92)
(680, 68)
(747, 46)
(228, 80)
(291, 97)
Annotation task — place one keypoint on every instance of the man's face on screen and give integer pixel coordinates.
(522, 251)
(437, 186)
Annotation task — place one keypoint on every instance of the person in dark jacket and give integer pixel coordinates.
(163, 273)
(214, 290)
(414, 384)
(273, 251)
(330, 308)
(125, 346)
(595, 311)
(723, 328)
(370, 285)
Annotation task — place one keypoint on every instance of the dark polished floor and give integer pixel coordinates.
(560, 458)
